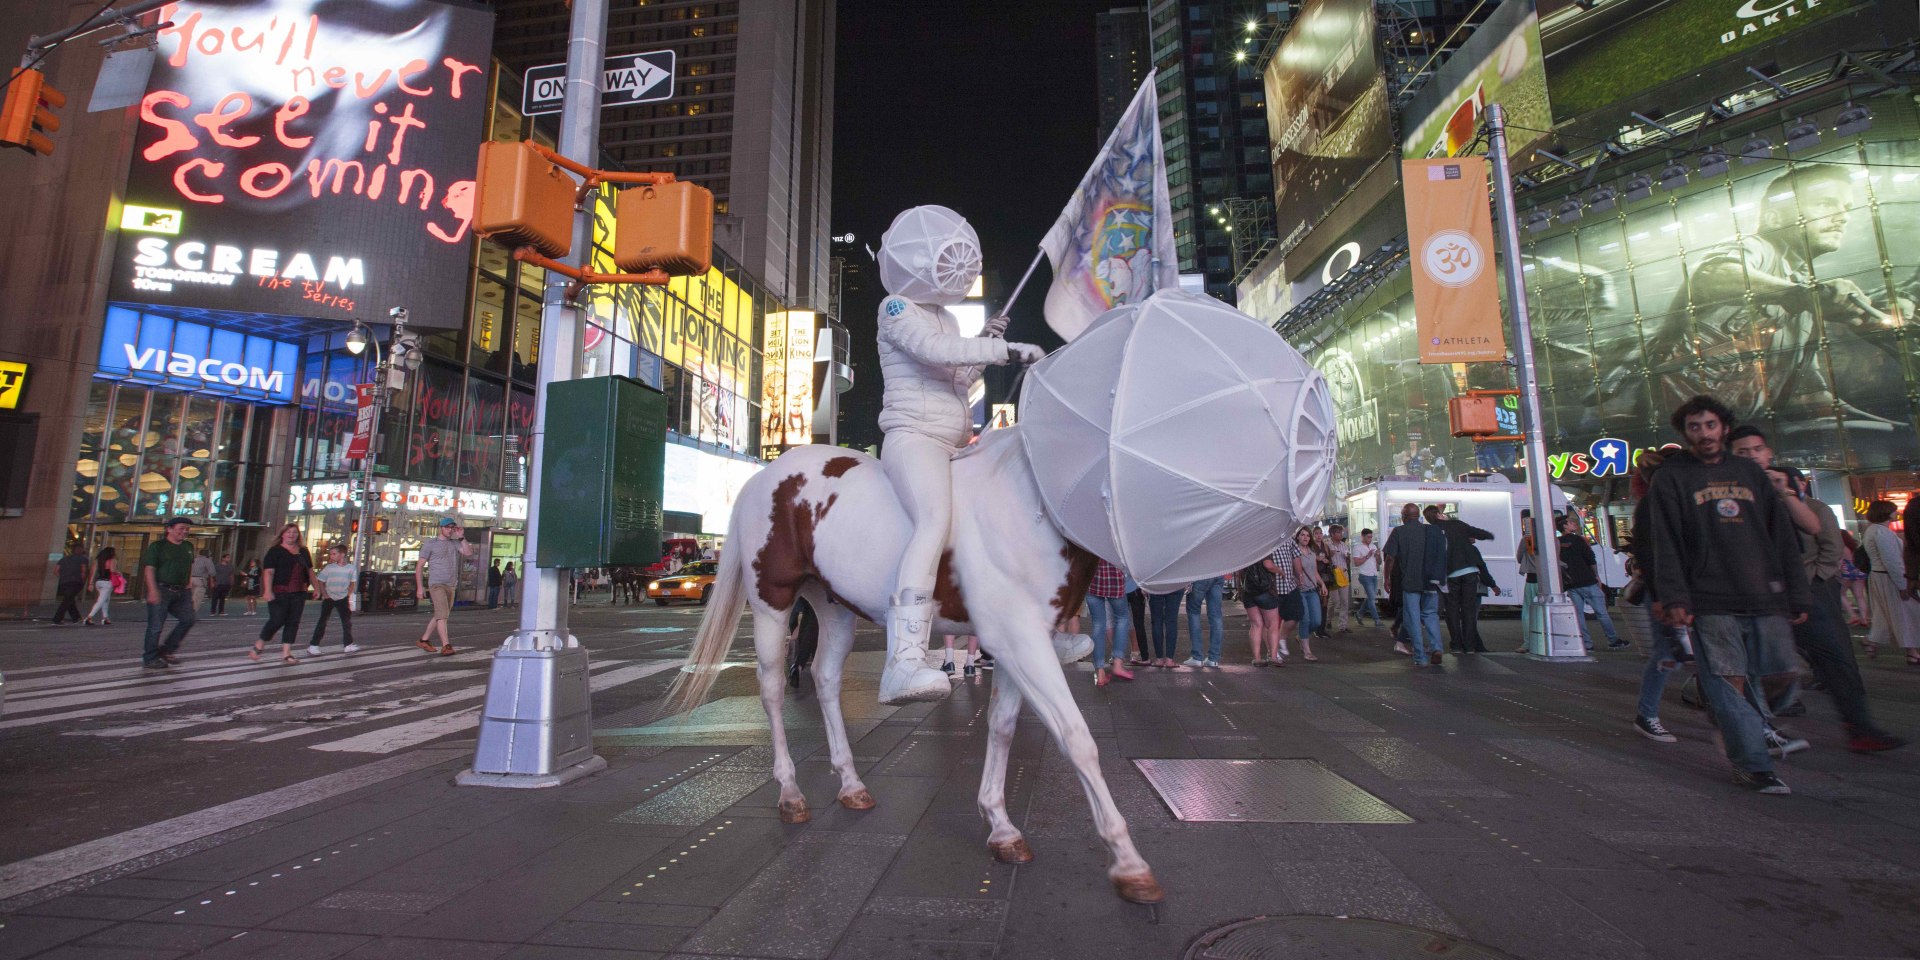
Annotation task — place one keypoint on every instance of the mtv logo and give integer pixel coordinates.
(155, 220)
(150, 219)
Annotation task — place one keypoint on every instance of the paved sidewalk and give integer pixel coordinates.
(1541, 827)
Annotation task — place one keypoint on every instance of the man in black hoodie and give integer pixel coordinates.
(1726, 564)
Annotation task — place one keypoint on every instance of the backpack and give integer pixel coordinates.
(1256, 580)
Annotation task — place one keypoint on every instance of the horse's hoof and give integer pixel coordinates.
(1139, 889)
(794, 812)
(858, 800)
(1012, 851)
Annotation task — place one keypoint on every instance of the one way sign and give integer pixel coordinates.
(635, 78)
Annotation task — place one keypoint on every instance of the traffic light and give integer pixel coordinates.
(525, 199)
(1474, 416)
(379, 524)
(667, 226)
(27, 116)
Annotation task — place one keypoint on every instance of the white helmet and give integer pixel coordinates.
(929, 255)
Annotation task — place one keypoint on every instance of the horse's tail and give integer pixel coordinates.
(724, 606)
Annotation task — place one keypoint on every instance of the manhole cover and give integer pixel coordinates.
(1263, 791)
(1332, 938)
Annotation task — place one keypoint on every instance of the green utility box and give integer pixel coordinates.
(602, 473)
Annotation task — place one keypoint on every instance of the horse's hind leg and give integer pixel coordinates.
(770, 654)
(836, 640)
(1003, 712)
(1026, 653)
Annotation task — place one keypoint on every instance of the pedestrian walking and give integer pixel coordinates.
(1313, 592)
(1107, 604)
(1322, 563)
(1460, 604)
(1257, 594)
(1289, 578)
(165, 567)
(510, 585)
(1210, 593)
(1340, 583)
(1165, 608)
(336, 585)
(69, 582)
(202, 580)
(1416, 559)
(494, 578)
(1581, 569)
(1890, 601)
(436, 573)
(250, 587)
(222, 584)
(107, 581)
(1726, 568)
(1526, 559)
(1640, 601)
(1822, 640)
(1366, 569)
(1137, 617)
(286, 580)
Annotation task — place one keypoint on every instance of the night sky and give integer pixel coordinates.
(984, 106)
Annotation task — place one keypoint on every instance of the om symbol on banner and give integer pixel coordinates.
(1452, 258)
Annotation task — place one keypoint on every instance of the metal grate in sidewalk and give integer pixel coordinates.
(1263, 791)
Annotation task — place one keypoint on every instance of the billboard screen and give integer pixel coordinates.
(1501, 63)
(311, 159)
(1605, 51)
(1326, 112)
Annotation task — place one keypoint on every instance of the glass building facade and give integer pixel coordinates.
(1785, 287)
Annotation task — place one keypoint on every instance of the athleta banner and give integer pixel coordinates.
(307, 158)
(1456, 297)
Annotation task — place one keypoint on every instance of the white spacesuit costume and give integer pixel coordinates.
(929, 258)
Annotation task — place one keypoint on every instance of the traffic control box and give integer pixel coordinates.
(27, 119)
(602, 473)
(1474, 416)
(667, 226)
(524, 199)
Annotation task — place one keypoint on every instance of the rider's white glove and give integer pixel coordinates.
(1025, 353)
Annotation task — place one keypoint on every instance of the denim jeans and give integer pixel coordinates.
(1310, 620)
(1595, 599)
(1370, 583)
(1421, 614)
(1661, 651)
(176, 602)
(1740, 722)
(1824, 642)
(1209, 592)
(1165, 609)
(1108, 613)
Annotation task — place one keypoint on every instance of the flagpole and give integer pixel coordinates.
(1022, 285)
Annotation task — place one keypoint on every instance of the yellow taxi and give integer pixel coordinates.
(693, 582)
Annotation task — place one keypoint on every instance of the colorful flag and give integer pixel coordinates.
(1113, 244)
(1456, 296)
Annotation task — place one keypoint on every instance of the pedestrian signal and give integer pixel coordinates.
(1474, 416)
(524, 199)
(666, 226)
(27, 118)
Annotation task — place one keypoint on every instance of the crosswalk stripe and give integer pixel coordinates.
(138, 677)
(399, 708)
(252, 674)
(389, 739)
(232, 733)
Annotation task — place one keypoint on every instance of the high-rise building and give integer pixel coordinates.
(1120, 51)
(1213, 121)
(751, 117)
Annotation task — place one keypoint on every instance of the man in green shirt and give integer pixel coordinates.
(166, 568)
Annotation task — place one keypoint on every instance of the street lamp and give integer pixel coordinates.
(399, 348)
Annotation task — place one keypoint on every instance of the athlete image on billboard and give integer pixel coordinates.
(307, 158)
(1761, 305)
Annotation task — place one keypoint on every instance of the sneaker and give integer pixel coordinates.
(1652, 729)
(1193, 662)
(1762, 781)
(947, 668)
(969, 671)
(156, 664)
(350, 648)
(1617, 644)
(1780, 744)
(1213, 663)
(1873, 741)
(313, 649)
(1402, 648)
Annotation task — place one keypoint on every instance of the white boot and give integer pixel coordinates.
(907, 677)
(1071, 647)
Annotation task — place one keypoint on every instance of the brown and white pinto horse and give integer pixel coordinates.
(823, 523)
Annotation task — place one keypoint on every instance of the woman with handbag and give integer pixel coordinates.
(107, 581)
(286, 582)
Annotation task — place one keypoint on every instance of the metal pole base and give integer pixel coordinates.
(1556, 632)
(536, 729)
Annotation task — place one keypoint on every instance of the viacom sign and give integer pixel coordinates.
(161, 350)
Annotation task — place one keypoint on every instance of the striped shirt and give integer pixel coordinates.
(337, 579)
(1286, 579)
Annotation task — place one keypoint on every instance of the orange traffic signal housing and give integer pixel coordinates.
(1474, 416)
(667, 226)
(524, 199)
(26, 117)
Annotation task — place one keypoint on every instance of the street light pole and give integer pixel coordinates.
(382, 364)
(536, 729)
(1562, 633)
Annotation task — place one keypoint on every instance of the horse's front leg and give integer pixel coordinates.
(1003, 713)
